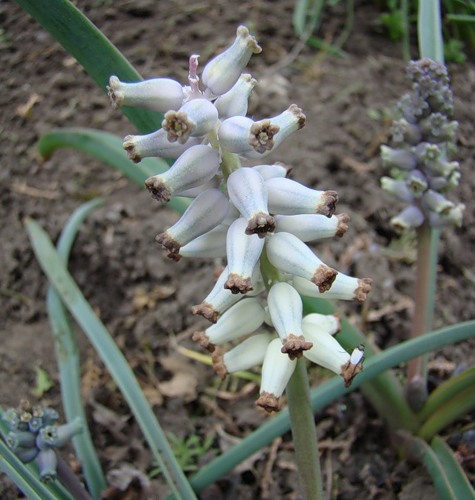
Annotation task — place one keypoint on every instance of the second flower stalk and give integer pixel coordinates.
(255, 217)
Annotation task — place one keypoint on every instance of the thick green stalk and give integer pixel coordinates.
(424, 300)
(304, 434)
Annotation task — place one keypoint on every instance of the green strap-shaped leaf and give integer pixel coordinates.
(429, 30)
(107, 148)
(112, 357)
(97, 55)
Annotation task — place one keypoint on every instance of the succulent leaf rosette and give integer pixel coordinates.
(255, 217)
(423, 136)
(35, 435)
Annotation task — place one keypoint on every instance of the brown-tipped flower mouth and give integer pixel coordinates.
(295, 345)
(261, 224)
(238, 284)
(261, 135)
(324, 277)
(269, 402)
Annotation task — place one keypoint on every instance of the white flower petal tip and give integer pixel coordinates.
(288, 197)
(195, 118)
(158, 94)
(277, 369)
(353, 366)
(222, 72)
(196, 166)
(247, 192)
(155, 144)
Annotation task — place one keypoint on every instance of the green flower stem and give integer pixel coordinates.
(384, 392)
(326, 394)
(68, 360)
(446, 391)
(453, 409)
(304, 434)
(425, 288)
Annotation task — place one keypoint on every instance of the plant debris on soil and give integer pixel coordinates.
(145, 299)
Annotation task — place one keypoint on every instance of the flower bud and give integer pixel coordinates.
(241, 319)
(221, 299)
(278, 169)
(288, 122)
(155, 144)
(222, 72)
(404, 132)
(158, 94)
(194, 119)
(248, 193)
(20, 439)
(47, 462)
(57, 436)
(400, 158)
(204, 213)
(288, 197)
(437, 202)
(249, 353)
(287, 253)
(397, 188)
(343, 288)
(416, 182)
(194, 167)
(328, 352)
(409, 218)
(240, 134)
(26, 455)
(310, 227)
(285, 309)
(235, 101)
(243, 252)
(453, 216)
(327, 323)
(210, 245)
(277, 369)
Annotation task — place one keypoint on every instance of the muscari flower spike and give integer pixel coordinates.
(423, 135)
(259, 219)
(35, 435)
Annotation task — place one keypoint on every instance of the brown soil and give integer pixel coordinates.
(145, 300)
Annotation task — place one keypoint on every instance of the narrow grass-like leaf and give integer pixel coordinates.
(452, 410)
(107, 148)
(112, 357)
(327, 393)
(429, 30)
(68, 360)
(446, 391)
(455, 474)
(97, 55)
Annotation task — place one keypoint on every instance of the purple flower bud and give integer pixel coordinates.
(409, 218)
(204, 213)
(453, 216)
(20, 439)
(277, 369)
(222, 72)
(437, 202)
(155, 144)
(26, 455)
(194, 167)
(287, 253)
(343, 288)
(248, 193)
(243, 252)
(158, 94)
(241, 319)
(235, 101)
(57, 436)
(417, 183)
(194, 119)
(404, 132)
(286, 309)
(310, 227)
(288, 197)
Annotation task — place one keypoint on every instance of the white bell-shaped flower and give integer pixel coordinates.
(235, 101)
(310, 227)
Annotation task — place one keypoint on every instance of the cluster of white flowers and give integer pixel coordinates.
(255, 217)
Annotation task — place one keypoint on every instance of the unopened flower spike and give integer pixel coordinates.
(423, 134)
